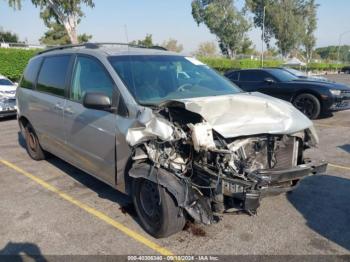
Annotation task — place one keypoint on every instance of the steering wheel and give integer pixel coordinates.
(183, 87)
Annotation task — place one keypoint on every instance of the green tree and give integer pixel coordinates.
(65, 12)
(257, 8)
(247, 47)
(146, 42)
(271, 52)
(206, 49)
(224, 20)
(310, 26)
(331, 53)
(173, 45)
(57, 35)
(7, 36)
(84, 38)
(284, 20)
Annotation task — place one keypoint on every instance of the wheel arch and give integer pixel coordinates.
(23, 122)
(127, 183)
(194, 204)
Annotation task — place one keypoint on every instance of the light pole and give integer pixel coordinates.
(340, 37)
(263, 38)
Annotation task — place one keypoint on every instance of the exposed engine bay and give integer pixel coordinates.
(210, 173)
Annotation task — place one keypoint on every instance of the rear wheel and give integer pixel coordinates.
(32, 143)
(156, 208)
(308, 104)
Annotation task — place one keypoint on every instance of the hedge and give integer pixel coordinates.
(13, 62)
(224, 64)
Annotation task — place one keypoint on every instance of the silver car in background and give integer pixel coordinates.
(183, 141)
(7, 97)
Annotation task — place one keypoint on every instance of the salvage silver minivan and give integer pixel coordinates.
(183, 141)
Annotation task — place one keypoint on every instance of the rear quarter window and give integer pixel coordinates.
(52, 76)
(30, 73)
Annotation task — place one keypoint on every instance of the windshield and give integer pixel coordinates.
(283, 75)
(295, 72)
(5, 82)
(152, 79)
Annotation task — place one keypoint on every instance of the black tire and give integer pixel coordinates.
(32, 144)
(308, 104)
(156, 208)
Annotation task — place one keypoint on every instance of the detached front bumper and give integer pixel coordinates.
(274, 182)
(264, 183)
(270, 182)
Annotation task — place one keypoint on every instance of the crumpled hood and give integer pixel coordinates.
(248, 114)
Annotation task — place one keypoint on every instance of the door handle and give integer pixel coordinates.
(69, 111)
(58, 106)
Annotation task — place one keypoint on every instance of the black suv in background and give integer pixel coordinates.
(311, 97)
(345, 70)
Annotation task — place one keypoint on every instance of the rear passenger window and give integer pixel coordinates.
(233, 76)
(52, 76)
(30, 73)
(90, 76)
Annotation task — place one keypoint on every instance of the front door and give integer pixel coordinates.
(252, 80)
(90, 133)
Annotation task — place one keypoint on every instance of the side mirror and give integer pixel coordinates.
(97, 101)
(269, 81)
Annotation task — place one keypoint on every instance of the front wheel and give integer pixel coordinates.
(308, 104)
(156, 208)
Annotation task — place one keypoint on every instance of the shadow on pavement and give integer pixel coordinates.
(103, 190)
(7, 118)
(325, 115)
(324, 201)
(21, 140)
(21, 252)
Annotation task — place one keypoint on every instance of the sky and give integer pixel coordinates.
(163, 19)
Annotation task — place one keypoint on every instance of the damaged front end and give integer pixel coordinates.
(209, 171)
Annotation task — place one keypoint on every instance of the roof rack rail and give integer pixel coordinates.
(158, 47)
(97, 45)
(61, 47)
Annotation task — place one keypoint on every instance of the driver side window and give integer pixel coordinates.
(90, 76)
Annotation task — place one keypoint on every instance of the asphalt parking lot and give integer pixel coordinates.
(51, 208)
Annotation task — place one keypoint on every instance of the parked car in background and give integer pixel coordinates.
(183, 141)
(303, 75)
(311, 97)
(345, 70)
(7, 97)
